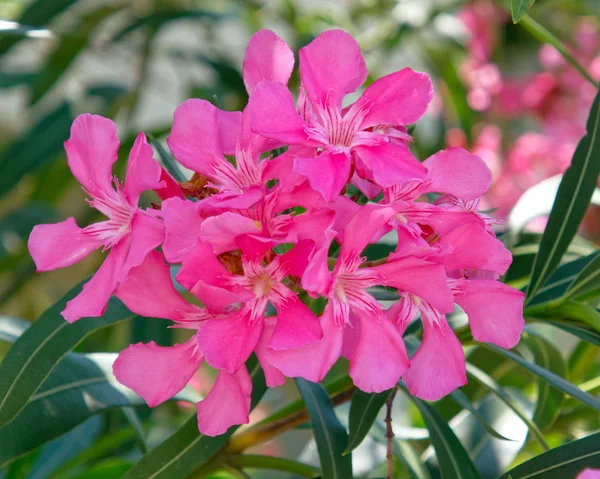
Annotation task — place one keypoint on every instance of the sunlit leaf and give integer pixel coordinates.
(330, 435)
(519, 8)
(573, 197)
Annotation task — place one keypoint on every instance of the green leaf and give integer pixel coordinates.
(12, 79)
(519, 8)
(187, 450)
(70, 45)
(549, 399)
(330, 435)
(108, 469)
(251, 461)
(554, 380)
(462, 400)
(38, 13)
(11, 328)
(559, 282)
(561, 462)
(364, 409)
(590, 336)
(39, 145)
(572, 199)
(587, 280)
(486, 381)
(453, 460)
(36, 353)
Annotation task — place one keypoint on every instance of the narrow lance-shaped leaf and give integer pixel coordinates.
(554, 380)
(561, 462)
(167, 160)
(482, 378)
(330, 435)
(186, 450)
(588, 280)
(549, 399)
(573, 197)
(453, 460)
(36, 353)
(364, 409)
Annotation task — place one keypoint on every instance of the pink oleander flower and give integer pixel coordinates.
(130, 233)
(332, 142)
(256, 235)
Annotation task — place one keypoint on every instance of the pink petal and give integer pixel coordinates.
(370, 190)
(170, 189)
(59, 245)
(589, 473)
(147, 233)
(230, 129)
(472, 247)
(200, 263)
(182, 221)
(379, 358)
(91, 151)
(195, 136)
(459, 173)
(91, 302)
(422, 278)
(311, 361)
(296, 325)
(399, 98)
(139, 291)
(273, 114)
(495, 311)
(438, 366)
(365, 227)
(214, 298)
(327, 173)
(267, 57)
(331, 66)
(157, 373)
(227, 404)
(222, 230)
(143, 172)
(389, 164)
(274, 377)
(316, 278)
(227, 343)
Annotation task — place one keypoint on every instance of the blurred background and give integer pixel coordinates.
(499, 93)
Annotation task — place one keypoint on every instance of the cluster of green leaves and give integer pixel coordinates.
(62, 413)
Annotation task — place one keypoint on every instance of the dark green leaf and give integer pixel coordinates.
(453, 460)
(562, 462)
(587, 280)
(107, 469)
(41, 144)
(38, 13)
(363, 412)
(573, 197)
(590, 336)
(519, 8)
(187, 450)
(554, 380)
(12, 79)
(69, 46)
(549, 399)
(330, 435)
(36, 353)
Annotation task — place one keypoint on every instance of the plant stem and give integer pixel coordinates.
(545, 36)
(265, 431)
(250, 461)
(389, 433)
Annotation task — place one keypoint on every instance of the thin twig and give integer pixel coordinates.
(389, 433)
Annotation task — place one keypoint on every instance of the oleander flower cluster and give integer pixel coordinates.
(269, 236)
